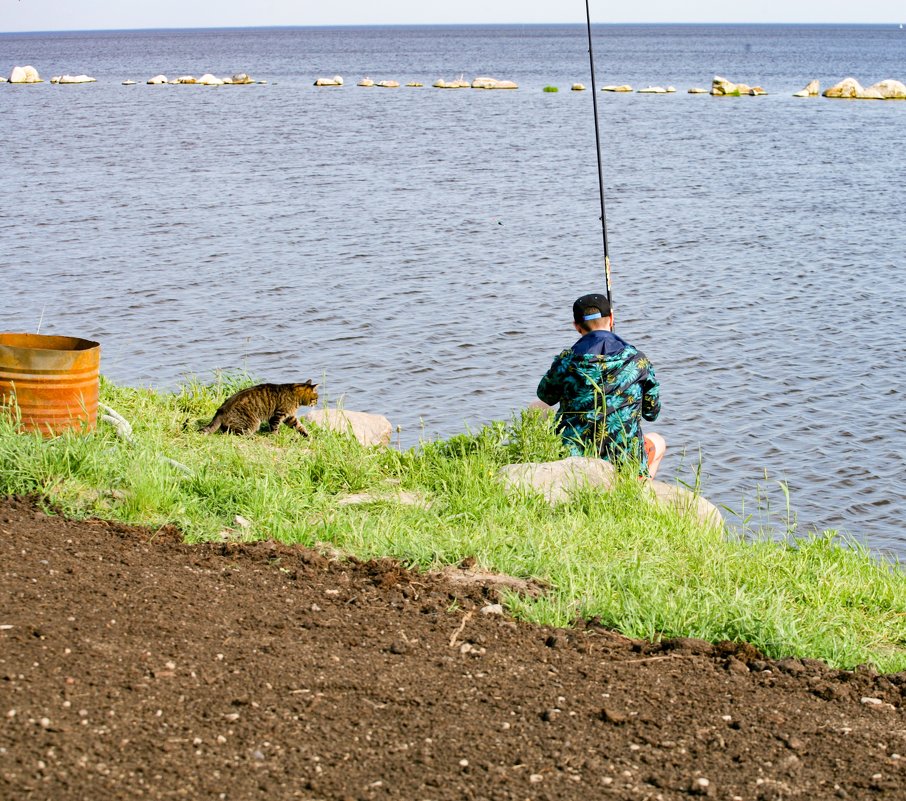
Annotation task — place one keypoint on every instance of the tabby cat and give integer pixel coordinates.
(244, 412)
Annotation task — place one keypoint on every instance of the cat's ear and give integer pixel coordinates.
(313, 386)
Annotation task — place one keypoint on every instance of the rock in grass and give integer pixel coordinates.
(556, 481)
(368, 429)
(25, 74)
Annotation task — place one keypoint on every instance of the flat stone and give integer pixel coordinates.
(368, 429)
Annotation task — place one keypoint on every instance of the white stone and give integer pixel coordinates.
(25, 74)
(335, 81)
(847, 88)
(157, 80)
(368, 429)
(366, 81)
(128, 83)
(698, 90)
(415, 84)
(578, 87)
(889, 89)
(613, 88)
(484, 82)
(210, 80)
(186, 79)
(458, 83)
(73, 79)
(685, 502)
(388, 84)
(722, 87)
(653, 90)
(557, 480)
(811, 90)
(239, 78)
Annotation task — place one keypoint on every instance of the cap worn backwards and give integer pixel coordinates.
(591, 307)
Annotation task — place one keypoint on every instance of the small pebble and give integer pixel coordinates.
(464, 763)
(535, 778)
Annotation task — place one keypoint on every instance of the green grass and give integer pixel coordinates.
(550, 89)
(638, 567)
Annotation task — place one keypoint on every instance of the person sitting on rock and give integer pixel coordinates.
(604, 387)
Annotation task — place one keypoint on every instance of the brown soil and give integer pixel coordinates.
(133, 666)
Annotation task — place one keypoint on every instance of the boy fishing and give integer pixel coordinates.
(604, 387)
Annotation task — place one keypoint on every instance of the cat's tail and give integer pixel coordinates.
(213, 426)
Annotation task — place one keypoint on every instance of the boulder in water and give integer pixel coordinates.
(847, 88)
(721, 87)
(654, 90)
(72, 79)
(698, 90)
(415, 84)
(484, 82)
(25, 74)
(210, 80)
(158, 80)
(335, 81)
(578, 87)
(458, 83)
(238, 79)
(388, 84)
(366, 81)
(128, 82)
(625, 87)
(188, 79)
(811, 90)
(889, 89)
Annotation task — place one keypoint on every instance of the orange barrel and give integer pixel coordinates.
(53, 380)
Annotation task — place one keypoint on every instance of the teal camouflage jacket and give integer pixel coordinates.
(604, 387)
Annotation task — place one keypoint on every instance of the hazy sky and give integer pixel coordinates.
(43, 15)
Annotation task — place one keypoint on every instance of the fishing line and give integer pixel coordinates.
(594, 97)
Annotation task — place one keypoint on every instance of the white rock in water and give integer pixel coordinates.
(723, 87)
(625, 87)
(492, 83)
(25, 74)
(368, 429)
(889, 89)
(388, 84)
(185, 79)
(157, 80)
(209, 80)
(459, 83)
(698, 90)
(128, 83)
(653, 90)
(811, 90)
(335, 81)
(239, 79)
(671, 89)
(847, 88)
(366, 81)
(415, 84)
(578, 87)
(73, 79)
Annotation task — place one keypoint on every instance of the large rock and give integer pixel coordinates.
(210, 80)
(557, 480)
(492, 83)
(889, 89)
(459, 83)
(368, 429)
(847, 88)
(811, 90)
(388, 84)
(157, 80)
(24, 75)
(337, 80)
(365, 82)
(64, 79)
(238, 79)
(721, 87)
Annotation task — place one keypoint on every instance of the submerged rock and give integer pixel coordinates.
(415, 84)
(811, 90)
(656, 90)
(459, 83)
(621, 88)
(157, 80)
(72, 79)
(25, 74)
(368, 429)
(721, 87)
(698, 90)
(335, 81)
(365, 82)
(492, 83)
(128, 82)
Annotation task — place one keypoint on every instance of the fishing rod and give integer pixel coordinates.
(594, 97)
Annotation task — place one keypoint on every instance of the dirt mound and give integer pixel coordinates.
(133, 666)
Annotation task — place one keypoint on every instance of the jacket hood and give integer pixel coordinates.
(599, 343)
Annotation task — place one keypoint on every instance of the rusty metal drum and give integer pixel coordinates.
(54, 381)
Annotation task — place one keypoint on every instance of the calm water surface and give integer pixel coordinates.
(419, 250)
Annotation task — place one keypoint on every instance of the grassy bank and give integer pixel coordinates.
(638, 567)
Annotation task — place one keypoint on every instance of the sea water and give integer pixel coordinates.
(418, 250)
